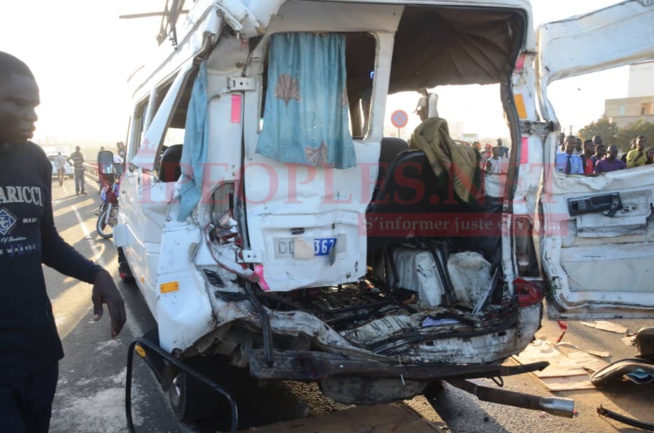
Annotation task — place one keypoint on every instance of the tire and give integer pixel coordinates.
(192, 400)
(104, 226)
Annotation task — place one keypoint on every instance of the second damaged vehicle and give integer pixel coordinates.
(270, 225)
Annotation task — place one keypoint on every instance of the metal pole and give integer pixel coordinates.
(168, 357)
(564, 407)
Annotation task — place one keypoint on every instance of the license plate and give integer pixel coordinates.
(303, 248)
(322, 246)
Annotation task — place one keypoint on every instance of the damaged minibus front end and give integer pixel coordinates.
(270, 221)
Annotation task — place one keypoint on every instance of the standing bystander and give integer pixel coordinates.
(568, 162)
(120, 146)
(78, 167)
(504, 151)
(493, 164)
(60, 164)
(632, 146)
(649, 154)
(600, 151)
(636, 157)
(611, 162)
(30, 347)
(587, 157)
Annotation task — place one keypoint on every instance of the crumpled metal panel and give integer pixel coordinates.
(637, 370)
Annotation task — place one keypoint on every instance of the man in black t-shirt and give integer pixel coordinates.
(30, 348)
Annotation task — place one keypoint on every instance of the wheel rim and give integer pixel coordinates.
(177, 387)
(107, 221)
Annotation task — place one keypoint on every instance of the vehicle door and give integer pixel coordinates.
(304, 221)
(597, 232)
(144, 197)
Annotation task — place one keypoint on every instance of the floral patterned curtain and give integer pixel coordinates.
(194, 151)
(306, 114)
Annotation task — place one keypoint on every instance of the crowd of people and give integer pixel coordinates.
(593, 157)
(494, 159)
(574, 156)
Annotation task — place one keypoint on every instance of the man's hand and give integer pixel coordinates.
(106, 292)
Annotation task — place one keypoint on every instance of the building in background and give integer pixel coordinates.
(639, 103)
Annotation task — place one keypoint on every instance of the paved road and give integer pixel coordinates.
(91, 390)
(463, 413)
(90, 395)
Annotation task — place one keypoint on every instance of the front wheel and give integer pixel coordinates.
(107, 221)
(192, 400)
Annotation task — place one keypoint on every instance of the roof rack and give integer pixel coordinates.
(169, 16)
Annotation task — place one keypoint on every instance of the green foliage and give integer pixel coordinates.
(634, 130)
(602, 126)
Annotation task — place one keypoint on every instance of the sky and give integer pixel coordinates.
(81, 55)
(577, 101)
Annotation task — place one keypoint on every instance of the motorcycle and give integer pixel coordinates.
(109, 208)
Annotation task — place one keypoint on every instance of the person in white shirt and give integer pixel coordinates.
(494, 163)
(60, 165)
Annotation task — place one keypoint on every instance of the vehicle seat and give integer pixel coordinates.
(390, 148)
(170, 170)
(410, 191)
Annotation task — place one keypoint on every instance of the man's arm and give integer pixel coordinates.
(59, 255)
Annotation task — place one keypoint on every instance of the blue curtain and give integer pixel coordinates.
(306, 114)
(194, 152)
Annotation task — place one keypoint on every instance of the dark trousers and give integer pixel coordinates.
(79, 182)
(26, 404)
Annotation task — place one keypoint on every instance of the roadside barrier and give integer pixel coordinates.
(91, 171)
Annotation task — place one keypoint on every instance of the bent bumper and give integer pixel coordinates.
(314, 366)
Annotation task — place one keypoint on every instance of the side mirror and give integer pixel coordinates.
(105, 162)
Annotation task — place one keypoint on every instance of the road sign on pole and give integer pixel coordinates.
(399, 118)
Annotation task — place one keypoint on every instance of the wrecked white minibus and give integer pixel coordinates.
(271, 225)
